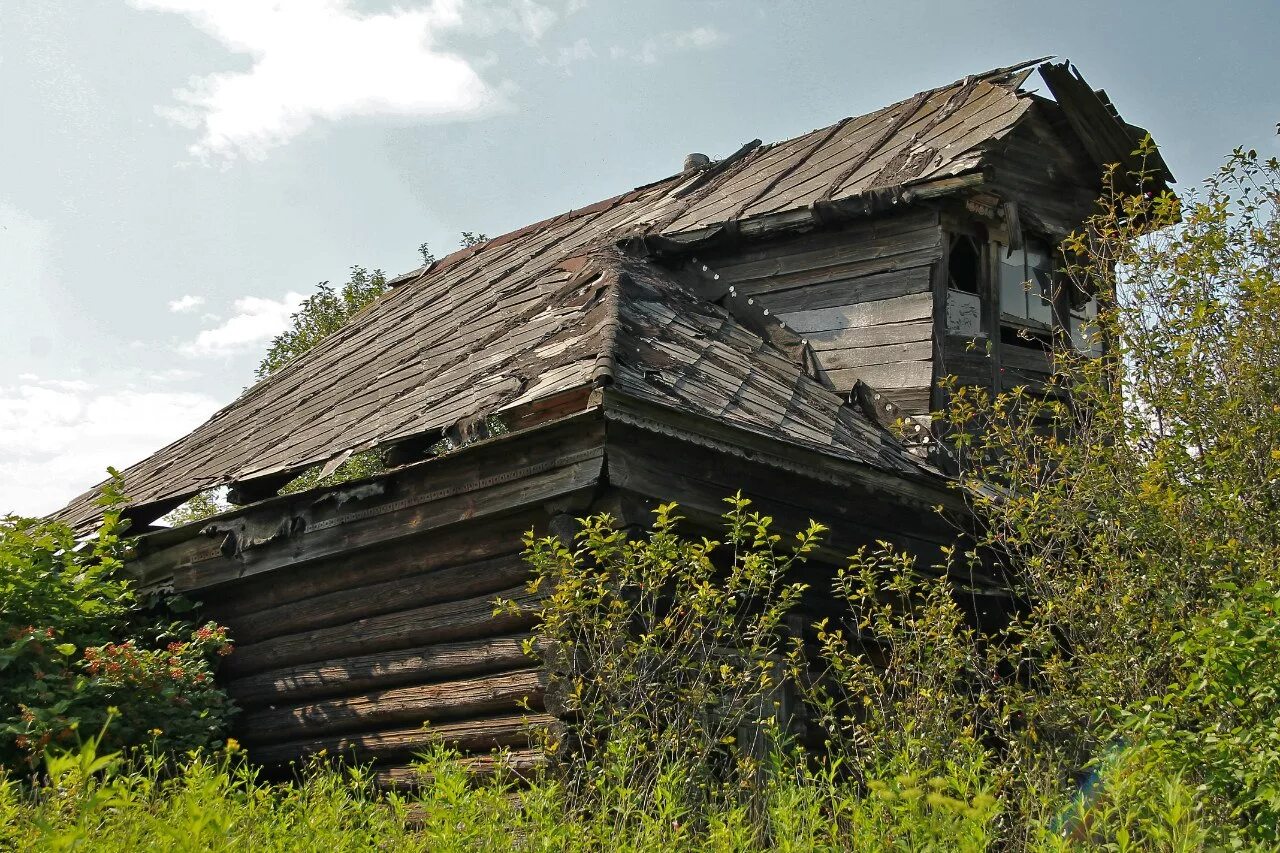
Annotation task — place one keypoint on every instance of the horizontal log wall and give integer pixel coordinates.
(860, 296)
(338, 659)
(372, 612)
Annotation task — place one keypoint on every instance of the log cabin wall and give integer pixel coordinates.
(861, 295)
(360, 613)
(370, 611)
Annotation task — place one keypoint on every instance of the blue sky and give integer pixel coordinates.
(176, 174)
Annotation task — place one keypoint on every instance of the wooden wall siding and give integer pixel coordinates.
(1022, 365)
(1042, 166)
(360, 622)
(970, 365)
(489, 480)
(699, 477)
(353, 655)
(859, 295)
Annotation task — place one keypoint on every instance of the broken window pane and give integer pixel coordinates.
(964, 314)
(1013, 294)
(1026, 283)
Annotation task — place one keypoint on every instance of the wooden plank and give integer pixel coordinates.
(911, 374)
(896, 310)
(835, 251)
(804, 293)
(500, 457)
(870, 336)
(844, 359)
(970, 366)
(1032, 359)
(379, 670)
(395, 519)
(518, 762)
(428, 552)
(472, 697)
(912, 486)
(434, 623)
(668, 468)
(482, 735)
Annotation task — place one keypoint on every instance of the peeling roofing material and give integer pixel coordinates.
(555, 306)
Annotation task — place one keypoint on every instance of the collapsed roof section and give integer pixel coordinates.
(553, 307)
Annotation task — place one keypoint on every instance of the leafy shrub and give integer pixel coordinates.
(75, 640)
(320, 315)
(903, 680)
(668, 653)
(96, 801)
(1134, 506)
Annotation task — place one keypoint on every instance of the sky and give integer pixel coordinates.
(176, 175)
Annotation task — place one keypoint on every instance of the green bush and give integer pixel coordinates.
(75, 641)
(216, 800)
(668, 653)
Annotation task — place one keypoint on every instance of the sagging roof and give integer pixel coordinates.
(549, 307)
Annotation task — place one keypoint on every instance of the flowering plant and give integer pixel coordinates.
(76, 641)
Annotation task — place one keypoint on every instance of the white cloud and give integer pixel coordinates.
(698, 38)
(321, 60)
(651, 50)
(186, 304)
(172, 374)
(579, 51)
(57, 437)
(255, 321)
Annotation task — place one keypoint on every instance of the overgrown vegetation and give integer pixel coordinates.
(76, 640)
(1129, 704)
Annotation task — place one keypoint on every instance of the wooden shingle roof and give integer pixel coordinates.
(553, 306)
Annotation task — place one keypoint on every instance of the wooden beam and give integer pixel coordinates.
(379, 670)
(450, 621)
(472, 697)
(483, 735)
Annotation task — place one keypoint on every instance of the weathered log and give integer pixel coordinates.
(435, 623)
(494, 482)
(379, 671)
(415, 555)
(519, 763)
(473, 697)
(451, 584)
(483, 735)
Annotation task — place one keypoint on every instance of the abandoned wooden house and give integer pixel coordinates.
(751, 323)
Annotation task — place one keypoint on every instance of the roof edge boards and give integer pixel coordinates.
(406, 451)
(162, 537)
(820, 213)
(926, 487)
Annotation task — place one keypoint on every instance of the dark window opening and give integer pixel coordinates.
(964, 268)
